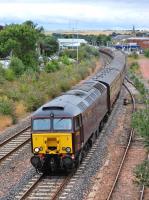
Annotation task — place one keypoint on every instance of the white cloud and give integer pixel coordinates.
(62, 12)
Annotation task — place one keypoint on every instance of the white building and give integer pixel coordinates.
(70, 43)
(5, 63)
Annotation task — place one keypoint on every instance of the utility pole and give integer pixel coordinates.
(77, 45)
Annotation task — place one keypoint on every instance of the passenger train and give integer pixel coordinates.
(64, 128)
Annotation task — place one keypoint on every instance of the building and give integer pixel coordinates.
(70, 43)
(129, 47)
(120, 38)
(143, 42)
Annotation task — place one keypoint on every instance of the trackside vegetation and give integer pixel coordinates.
(146, 53)
(140, 122)
(28, 82)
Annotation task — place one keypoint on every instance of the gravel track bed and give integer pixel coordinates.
(15, 172)
(14, 129)
(84, 182)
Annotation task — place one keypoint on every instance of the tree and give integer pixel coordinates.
(48, 45)
(103, 39)
(20, 41)
(17, 66)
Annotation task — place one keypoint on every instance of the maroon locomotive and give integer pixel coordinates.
(64, 128)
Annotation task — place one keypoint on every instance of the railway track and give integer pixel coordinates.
(44, 187)
(126, 150)
(142, 191)
(14, 143)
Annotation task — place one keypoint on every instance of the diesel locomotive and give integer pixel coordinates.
(64, 128)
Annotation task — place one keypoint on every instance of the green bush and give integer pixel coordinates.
(84, 52)
(146, 53)
(64, 85)
(17, 66)
(34, 99)
(65, 60)
(134, 67)
(52, 66)
(142, 174)
(9, 75)
(2, 74)
(6, 106)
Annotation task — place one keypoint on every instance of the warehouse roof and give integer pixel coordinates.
(138, 38)
(71, 40)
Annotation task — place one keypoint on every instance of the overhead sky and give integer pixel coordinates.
(77, 14)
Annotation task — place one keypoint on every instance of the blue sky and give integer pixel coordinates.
(77, 14)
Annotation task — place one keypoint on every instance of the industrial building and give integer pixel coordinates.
(70, 43)
(143, 42)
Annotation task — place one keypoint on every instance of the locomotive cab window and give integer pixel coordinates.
(62, 124)
(41, 124)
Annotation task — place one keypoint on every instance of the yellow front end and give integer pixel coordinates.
(52, 143)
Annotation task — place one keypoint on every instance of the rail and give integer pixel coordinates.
(126, 151)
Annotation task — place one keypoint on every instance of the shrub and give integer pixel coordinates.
(146, 53)
(2, 74)
(9, 74)
(142, 174)
(6, 106)
(65, 60)
(64, 85)
(34, 99)
(134, 67)
(17, 66)
(52, 66)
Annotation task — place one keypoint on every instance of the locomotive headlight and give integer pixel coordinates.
(37, 149)
(68, 149)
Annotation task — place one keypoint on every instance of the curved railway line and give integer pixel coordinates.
(14, 143)
(142, 191)
(127, 147)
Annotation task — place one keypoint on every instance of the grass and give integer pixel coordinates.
(5, 121)
(31, 90)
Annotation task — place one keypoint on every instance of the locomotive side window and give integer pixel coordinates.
(41, 124)
(77, 123)
(62, 124)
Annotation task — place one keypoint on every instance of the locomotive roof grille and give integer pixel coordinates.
(93, 95)
(89, 100)
(53, 108)
(82, 106)
(99, 87)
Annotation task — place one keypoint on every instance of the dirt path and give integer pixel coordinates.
(144, 67)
